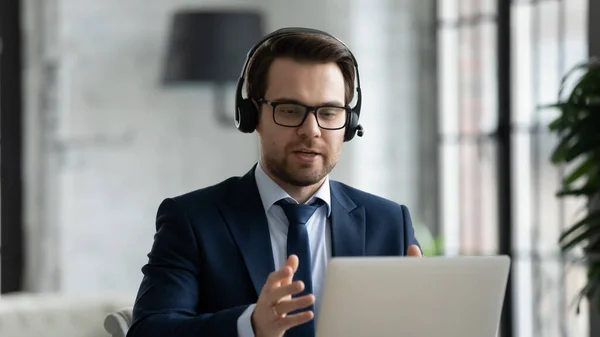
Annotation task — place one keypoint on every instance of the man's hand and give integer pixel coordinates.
(270, 318)
(414, 250)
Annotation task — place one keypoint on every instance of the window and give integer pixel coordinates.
(548, 38)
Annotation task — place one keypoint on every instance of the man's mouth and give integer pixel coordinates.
(307, 156)
(307, 152)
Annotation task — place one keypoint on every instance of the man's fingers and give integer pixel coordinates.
(414, 250)
(291, 321)
(293, 262)
(276, 294)
(277, 276)
(297, 303)
(284, 275)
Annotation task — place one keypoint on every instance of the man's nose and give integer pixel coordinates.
(310, 128)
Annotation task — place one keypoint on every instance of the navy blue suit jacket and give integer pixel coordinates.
(212, 253)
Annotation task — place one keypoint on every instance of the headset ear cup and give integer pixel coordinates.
(247, 116)
(351, 127)
(243, 115)
(252, 115)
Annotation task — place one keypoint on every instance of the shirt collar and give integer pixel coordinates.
(270, 192)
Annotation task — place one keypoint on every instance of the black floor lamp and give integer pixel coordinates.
(210, 47)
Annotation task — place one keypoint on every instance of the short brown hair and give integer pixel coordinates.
(310, 47)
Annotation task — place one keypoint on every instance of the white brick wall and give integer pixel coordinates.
(114, 142)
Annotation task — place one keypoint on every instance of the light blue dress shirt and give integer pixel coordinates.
(319, 234)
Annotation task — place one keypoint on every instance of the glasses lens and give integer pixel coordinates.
(289, 114)
(331, 117)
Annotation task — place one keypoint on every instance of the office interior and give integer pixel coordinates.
(96, 129)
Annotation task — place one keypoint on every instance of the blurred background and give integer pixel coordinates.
(108, 107)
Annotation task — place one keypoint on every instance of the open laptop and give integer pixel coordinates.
(413, 297)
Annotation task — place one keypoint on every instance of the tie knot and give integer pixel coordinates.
(299, 214)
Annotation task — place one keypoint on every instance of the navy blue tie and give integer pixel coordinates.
(298, 244)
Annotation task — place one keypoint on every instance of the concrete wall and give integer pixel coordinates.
(106, 142)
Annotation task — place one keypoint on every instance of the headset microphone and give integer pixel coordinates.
(360, 131)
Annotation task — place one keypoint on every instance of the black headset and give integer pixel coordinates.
(246, 114)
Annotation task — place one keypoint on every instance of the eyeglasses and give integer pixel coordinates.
(293, 114)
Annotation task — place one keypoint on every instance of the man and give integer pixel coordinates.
(234, 259)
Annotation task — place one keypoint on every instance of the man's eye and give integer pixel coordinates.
(289, 109)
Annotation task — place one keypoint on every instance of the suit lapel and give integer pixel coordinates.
(247, 221)
(347, 224)
(245, 216)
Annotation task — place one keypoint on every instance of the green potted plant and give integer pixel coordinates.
(578, 129)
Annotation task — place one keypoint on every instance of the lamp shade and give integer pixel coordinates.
(210, 46)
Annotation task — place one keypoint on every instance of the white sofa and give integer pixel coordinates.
(57, 315)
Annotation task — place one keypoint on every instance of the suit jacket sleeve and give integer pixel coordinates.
(409, 231)
(169, 292)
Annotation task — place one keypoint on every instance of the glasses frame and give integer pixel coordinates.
(309, 109)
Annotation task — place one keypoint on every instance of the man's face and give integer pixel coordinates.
(304, 155)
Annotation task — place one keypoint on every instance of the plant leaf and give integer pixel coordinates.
(572, 141)
(592, 229)
(587, 167)
(594, 216)
(588, 64)
(584, 191)
(586, 81)
(563, 105)
(574, 115)
(592, 249)
(590, 288)
(560, 152)
(583, 146)
(559, 124)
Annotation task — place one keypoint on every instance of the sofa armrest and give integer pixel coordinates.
(118, 323)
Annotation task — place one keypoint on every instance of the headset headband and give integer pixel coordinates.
(246, 118)
(296, 30)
